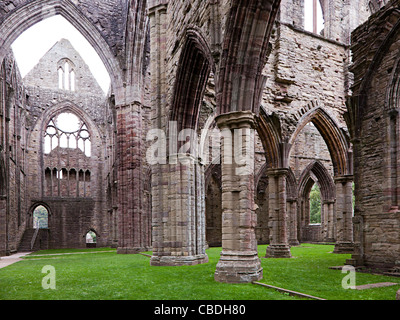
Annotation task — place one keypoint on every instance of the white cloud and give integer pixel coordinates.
(37, 40)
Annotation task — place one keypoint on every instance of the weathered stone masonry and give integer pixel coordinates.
(373, 122)
(218, 64)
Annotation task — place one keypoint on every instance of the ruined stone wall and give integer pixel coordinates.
(118, 31)
(304, 68)
(373, 119)
(13, 157)
(70, 182)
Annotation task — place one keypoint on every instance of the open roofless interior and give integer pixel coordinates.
(175, 127)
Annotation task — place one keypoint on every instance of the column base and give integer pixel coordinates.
(130, 250)
(344, 248)
(355, 261)
(278, 251)
(238, 267)
(175, 261)
(294, 243)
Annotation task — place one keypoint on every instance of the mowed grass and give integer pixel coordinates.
(108, 276)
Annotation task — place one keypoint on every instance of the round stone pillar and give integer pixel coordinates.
(279, 245)
(344, 214)
(239, 262)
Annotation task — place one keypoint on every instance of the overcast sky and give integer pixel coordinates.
(36, 41)
(308, 16)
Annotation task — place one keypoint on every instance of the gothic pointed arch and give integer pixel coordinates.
(245, 47)
(194, 68)
(39, 204)
(137, 44)
(317, 171)
(333, 136)
(316, 174)
(32, 12)
(382, 40)
(269, 131)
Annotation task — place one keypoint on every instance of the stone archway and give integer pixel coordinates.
(105, 28)
(341, 153)
(181, 240)
(26, 15)
(316, 173)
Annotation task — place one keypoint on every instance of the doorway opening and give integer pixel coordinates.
(91, 239)
(40, 218)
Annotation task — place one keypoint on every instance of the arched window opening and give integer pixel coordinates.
(67, 131)
(73, 83)
(313, 16)
(66, 75)
(40, 218)
(315, 205)
(91, 239)
(60, 78)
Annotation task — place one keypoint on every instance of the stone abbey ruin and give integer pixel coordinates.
(221, 118)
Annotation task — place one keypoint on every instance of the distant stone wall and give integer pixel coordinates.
(108, 16)
(70, 182)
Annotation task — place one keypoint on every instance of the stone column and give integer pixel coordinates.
(3, 226)
(293, 221)
(130, 180)
(178, 200)
(357, 258)
(279, 245)
(179, 233)
(239, 262)
(328, 221)
(159, 183)
(344, 214)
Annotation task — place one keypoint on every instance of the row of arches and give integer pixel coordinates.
(239, 85)
(310, 218)
(178, 211)
(67, 182)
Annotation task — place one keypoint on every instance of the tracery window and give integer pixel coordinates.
(66, 75)
(67, 131)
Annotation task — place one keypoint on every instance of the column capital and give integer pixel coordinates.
(153, 5)
(343, 179)
(274, 172)
(393, 112)
(236, 120)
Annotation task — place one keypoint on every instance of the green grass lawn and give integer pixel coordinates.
(108, 276)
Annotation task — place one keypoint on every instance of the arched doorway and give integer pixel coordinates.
(91, 239)
(40, 218)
